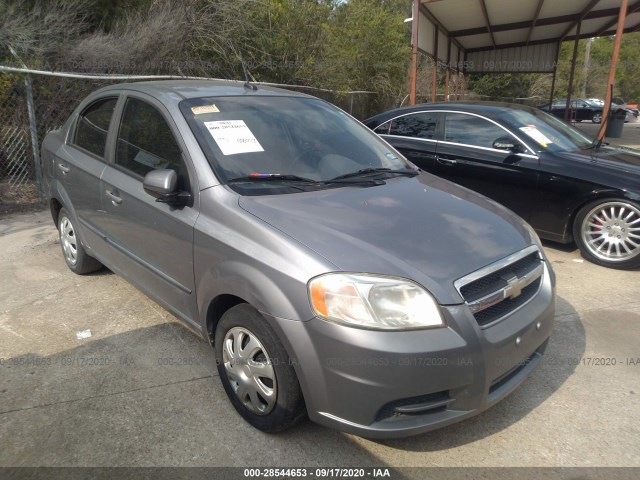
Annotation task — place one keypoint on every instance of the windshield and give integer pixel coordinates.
(546, 131)
(278, 141)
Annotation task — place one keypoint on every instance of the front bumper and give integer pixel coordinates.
(396, 384)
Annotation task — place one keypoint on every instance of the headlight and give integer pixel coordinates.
(368, 301)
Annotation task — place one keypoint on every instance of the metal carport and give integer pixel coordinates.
(517, 36)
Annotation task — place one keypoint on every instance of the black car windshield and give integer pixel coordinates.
(545, 131)
(276, 144)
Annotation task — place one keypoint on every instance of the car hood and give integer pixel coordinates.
(614, 167)
(618, 158)
(423, 228)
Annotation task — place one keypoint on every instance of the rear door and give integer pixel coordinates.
(151, 242)
(466, 156)
(414, 135)
(80, 163)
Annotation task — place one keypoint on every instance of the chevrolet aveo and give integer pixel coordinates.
(332, 277)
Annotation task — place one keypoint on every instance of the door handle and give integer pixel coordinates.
(115, 199)
(446, 161)
(64, 169)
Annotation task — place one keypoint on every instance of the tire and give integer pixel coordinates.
(271, 402)
(597, 117)
(607, 233)
(73, 252)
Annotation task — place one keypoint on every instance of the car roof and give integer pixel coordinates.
(178, 90)
(489, 109)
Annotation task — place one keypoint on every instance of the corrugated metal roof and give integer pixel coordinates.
(527, 30)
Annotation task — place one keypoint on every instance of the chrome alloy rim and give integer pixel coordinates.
(611, 231)
(249, 370)
(69, 241)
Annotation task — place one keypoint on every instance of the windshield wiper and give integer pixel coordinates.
(596, 145)
(293, 179)
(379, 170)
(266, 177)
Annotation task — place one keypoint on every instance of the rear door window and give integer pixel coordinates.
(93, 126)
(416, 125)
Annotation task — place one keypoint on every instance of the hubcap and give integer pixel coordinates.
(69, 241)
(611, 231)
(249, 370)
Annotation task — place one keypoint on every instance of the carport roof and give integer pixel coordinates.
(481, 25)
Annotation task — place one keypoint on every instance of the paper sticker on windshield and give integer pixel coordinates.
(536, 134)
(205, 109)
(233, 136)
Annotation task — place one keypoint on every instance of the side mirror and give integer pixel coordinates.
(162, 184)
(507, 143)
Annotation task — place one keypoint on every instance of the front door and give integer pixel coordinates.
(467, 156)
(152, 242)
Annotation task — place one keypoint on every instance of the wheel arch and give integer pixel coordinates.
(216, 309)
(59, 199)
(604, 194)
(55, 206)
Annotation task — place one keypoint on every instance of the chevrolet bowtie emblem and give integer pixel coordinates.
(514, 285)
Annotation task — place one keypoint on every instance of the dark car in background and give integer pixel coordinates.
(621, 103)
(331, 276)
(581, 109)
(548, 172)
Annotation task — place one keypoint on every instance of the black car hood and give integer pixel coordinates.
(607, 157)
(423, 228)
(618, 158)
(616, 168)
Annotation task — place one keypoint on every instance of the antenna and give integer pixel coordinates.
(247, 82)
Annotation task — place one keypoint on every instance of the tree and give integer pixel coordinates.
(366, 47)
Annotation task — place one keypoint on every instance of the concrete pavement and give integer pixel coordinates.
(143, 390)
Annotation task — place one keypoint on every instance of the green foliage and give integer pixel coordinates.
(366, 47)
(591, 82)
(502, 86)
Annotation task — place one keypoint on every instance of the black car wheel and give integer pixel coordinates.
(597, 117)
(75, 256)
(256, 371)
(608, 233)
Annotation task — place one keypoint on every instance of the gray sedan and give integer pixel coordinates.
(332, 277)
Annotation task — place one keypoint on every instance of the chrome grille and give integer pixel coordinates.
(499, 289)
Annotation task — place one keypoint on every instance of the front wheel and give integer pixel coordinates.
(256, 371)
(74, 253)
(597, 118)
(607, 233)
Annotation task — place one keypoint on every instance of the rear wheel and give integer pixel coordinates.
(75, 256)
(608, 233)
(256, 371)
(597, 118)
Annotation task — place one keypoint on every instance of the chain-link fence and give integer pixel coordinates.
(30, 106)
(17, 186)
(52, 98)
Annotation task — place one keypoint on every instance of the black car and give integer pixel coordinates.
(548, 172)
(581, 109)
